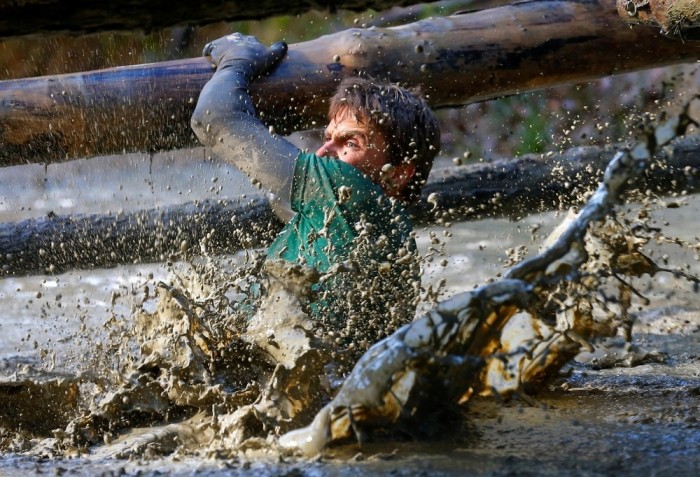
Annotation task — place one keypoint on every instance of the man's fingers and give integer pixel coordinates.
(238, 47)
(278, 49)
(277, 52)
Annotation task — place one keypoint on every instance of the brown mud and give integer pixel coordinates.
(627, 408)
(641, 420)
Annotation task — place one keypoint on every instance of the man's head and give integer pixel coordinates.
(386, 131)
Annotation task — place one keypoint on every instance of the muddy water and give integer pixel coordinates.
(620, 411)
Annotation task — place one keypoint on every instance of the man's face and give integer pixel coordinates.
(354, 143)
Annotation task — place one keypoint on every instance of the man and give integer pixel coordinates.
(350, 223)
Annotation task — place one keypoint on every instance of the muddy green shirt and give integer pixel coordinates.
(335, 202)
(341, 215)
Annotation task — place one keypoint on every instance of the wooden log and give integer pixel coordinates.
(34, 17)
(55, 244)
(455, 60)
(533, 183)
(504, 188)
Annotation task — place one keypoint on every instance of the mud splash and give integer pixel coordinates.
(210, 381)
(607, 417)
(221, 359)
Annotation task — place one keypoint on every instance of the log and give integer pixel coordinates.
(56, 244)
(455, 60)
(42, 17)
(510, 188)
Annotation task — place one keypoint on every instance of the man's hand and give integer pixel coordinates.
(245, 53)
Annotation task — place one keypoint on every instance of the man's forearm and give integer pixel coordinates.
(224, 100)
(224, 119)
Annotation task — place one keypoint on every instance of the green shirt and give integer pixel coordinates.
(341, 215)
(334, 202)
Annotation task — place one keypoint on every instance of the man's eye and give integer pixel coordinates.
(352, 144)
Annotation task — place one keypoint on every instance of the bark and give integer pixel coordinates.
(505, 188)
(455, 60)
(33, 17)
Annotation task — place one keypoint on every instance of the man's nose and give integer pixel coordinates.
(328, 149)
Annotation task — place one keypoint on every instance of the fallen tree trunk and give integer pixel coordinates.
(32, 17)
(455, 60)
(57, 244)
(505, 188)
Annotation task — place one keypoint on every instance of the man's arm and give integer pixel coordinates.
(225, 120)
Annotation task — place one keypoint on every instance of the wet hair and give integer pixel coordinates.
(405, 120)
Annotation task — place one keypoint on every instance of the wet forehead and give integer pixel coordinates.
(346, 124)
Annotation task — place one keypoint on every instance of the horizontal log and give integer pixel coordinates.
(533, 183)
(55, 244)
(504, 188)
(35, 17)
(455, 60)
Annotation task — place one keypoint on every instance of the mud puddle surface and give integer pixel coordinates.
(609, 422)
(626, 409)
